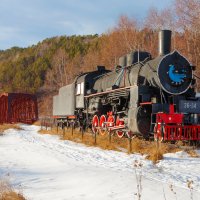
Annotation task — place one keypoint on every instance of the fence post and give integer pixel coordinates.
(41, 124)
(95, 138)
(63, 130)
(51, 125)
(157, 148)
(72, 128)
(82, 133)
(130, 144)
(110, 136)
(46, 123)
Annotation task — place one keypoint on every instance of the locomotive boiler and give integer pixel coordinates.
(141, 96)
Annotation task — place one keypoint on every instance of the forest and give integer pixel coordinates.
(54, 62)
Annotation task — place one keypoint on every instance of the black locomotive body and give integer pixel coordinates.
(141, 96)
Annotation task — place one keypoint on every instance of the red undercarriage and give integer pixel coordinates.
(171, 127)
(107, 123)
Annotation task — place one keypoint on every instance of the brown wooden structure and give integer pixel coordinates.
(18, 107)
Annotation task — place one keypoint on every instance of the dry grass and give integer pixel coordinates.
(89, 140)
(37, 123)
(192, 153)
(11, 196)
(7, 192)
(4, 127)
(153, 150)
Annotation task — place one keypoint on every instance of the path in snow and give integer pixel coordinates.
(49, 168)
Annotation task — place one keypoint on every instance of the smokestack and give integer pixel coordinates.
(164, 37)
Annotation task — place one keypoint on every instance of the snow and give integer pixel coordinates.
(47, 168)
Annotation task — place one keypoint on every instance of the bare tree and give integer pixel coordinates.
(58, 76)
(128, 30)
(188, 13)
(160, 19)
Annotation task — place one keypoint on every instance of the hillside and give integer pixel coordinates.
(24, 69)
(42, 68)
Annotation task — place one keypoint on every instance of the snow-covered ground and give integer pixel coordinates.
(46, 168)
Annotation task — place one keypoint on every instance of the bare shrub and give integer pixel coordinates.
(190, 186)
(4, 127)
(155, 155)
(138, 175)
(192, 153)
(8, 193)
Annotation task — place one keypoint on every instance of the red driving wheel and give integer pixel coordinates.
(95, 124)
(110, 121)
(102, 125)
(119, 122)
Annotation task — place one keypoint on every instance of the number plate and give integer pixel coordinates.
(188, 106)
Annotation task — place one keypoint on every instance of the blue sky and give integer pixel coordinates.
(26, 22)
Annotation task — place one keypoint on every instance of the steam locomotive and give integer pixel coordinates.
(141, 96)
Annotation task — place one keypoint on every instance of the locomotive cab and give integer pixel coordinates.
(84, 85)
